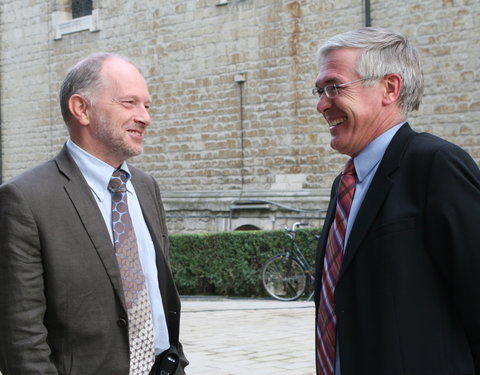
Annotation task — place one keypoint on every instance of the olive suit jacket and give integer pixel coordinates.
(408, 295)
(62, 307)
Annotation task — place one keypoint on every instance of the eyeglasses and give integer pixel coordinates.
(331, 91)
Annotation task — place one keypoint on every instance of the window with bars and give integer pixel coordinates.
(81, 8)
(74, 16)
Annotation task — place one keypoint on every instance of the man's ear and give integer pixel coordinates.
(393, 84)
(79, 108)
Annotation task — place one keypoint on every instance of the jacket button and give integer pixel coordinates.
(122, 323)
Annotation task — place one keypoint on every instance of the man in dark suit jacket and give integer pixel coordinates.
(62, 303)
(407, 297)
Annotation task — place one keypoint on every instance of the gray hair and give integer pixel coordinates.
(383, 52)
(84, 79)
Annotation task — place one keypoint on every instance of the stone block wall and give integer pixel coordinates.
(234, 120)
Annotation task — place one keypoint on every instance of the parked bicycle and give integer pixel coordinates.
(288, 275)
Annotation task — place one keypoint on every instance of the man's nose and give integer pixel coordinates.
(143, 115)
(323, 103)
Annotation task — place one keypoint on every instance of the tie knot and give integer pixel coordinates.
(118, 182)
(349, 168)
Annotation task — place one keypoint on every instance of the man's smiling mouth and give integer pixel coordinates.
(336, 122)
(135, 131)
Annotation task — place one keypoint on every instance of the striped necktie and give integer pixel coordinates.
(326, 320)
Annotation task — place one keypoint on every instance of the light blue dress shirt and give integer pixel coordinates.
(98, 174)
(366, 165)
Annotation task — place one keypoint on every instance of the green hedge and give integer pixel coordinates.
(230, 263)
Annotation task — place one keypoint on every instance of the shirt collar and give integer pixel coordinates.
(370, 157)
(96, 172)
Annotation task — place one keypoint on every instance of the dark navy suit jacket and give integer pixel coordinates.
(408, 295)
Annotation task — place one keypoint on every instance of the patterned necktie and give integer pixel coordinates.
(326, 322)
(140, 331)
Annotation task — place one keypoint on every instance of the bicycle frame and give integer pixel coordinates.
(297, 253)
(288, 275)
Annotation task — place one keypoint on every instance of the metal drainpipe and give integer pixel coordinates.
(240, 78)
(368, 18)
(1, 139)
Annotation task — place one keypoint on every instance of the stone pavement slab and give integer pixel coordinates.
(224, 336)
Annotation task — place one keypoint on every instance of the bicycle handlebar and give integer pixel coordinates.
(295, 226)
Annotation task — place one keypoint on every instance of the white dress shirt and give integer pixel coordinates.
(98, 174)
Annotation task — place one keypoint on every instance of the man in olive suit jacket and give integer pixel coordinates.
(62, 302)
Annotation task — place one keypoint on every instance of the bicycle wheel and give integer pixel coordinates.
(284, 278)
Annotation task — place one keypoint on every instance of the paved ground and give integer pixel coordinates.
(248, 337)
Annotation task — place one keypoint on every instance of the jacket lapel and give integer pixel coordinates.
(81, 197)
(146, 196)
(147, 202)
(149, 198)
(322, 243)
(378, 191)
